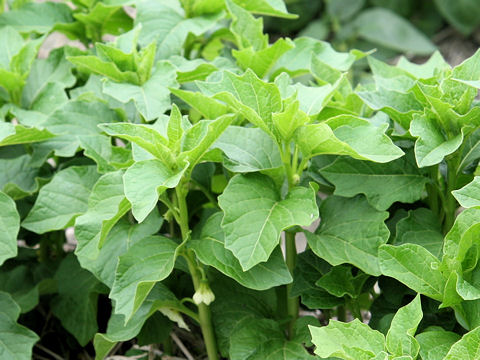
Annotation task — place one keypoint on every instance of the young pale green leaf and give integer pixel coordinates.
(414, 266)
(290, 119)
(152, 98)
(18, 134)
(106, 205)
(308, 270)
(16, 341)
(339, 281)
(250, 96)
(145, 136)
(354, 237)
(400, 336)
(158, 299)
(469, 195)
(9, 227)
(468, 347)
(342, 135)
(255, 215)
(264, 339)
(93, 64)
(431, 145)
(61, 200)
(422, 227)
(175, 129)
(313, 98)
(266, 7)
(435, 343)
(210, 249)
(206, 106)
(387, 29)
(247, 30)
(200, 137)
(37, 17)
(342, 340)
(76, 302)
(433, 66)
(248, 150)
(147, 262)
(168, 26)
(12, 42)
(376, 181)
(145, 181)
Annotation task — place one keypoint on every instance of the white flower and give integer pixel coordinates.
(203, 294)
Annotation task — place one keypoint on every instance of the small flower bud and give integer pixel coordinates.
(203, 294)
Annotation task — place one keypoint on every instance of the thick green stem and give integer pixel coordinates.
(204, 314)
(292, 302)
(450, 203)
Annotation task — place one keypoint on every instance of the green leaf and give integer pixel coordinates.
(62, 200)
(21, 284)
(37, 17)
(414, 266)
(290, 119)
(95, 65)
(376, 181)
(12, 42)
(343, 135)
(354, 237)
(264, 339)
(210, 250)
(106, 205)
(247, 94)
(247, 29)
(422, 227)
(469, 195)
(145, 181)
(152, 98)
(266, 7)
(147, 262)
(9, 227)
(16, 341)
(313, 98)
(387, 29)
(248, 150)
(76, 302)
(353, 340)
(255, 215)
(460, 14)
(308, 270)
(435, 344)
(208, 107)
(468, 345)
(13, 135)
(168, 27)
(431, 145)
(339, 281)
(400, 336)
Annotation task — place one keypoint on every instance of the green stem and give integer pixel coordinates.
(341, 313)
(292, 302)
(204, 314)
(450, 203)
(433, 193)
(355, 309)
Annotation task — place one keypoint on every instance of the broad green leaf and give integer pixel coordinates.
(198, 139)
(264, 339)
(435, 343)
(94, 64)
(145, 136)
(16, 341)
(76, 302)
(248, 150)
(289, 120)
(414, 266)
(13, 135)
(339, 281)
(169, 27)
(208, 107)
(152, 98)
(175, 129)
(37, 17)
(433, 66)
(468, 70)
(308, 270)
(387, 29)
(342, 340)
(266, 7)
(400, 336)
(250, 96)
(12, 42)
(376, 181)
(147, 262)
(117, 331)
(247, 29)
(468, 347)
(469, 195)
(106, 205)
(313, 98)
(354, 237)
(18, 176)
(421, 226)
(210, 250)
(343, 135)
(9, 227)
(61, 200)
(255, 215)
(197, 69)
(431, 145)
(22, 285)
(145, 181)
(460, 14)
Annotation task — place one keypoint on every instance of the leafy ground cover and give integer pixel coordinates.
(187, 149)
